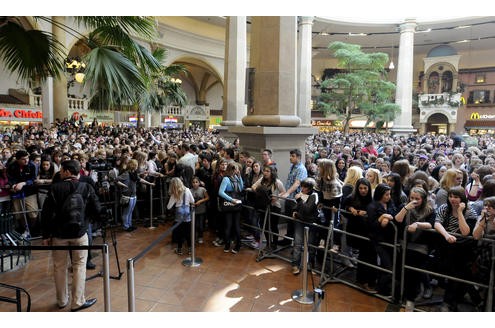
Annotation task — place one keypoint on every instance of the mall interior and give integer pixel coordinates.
(258, 78)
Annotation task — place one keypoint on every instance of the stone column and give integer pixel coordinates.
(304, 70)
(274, 57)
(60, 102)
(272, 122)
(235, 71)
(403, 94)
(47, 106)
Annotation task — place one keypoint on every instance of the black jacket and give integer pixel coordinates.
(50, 216)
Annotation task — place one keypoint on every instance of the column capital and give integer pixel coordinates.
(304, 20)
(409, 25)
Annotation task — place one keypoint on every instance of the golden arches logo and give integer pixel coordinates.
(475, 116)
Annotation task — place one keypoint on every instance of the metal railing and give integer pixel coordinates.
(106, 266)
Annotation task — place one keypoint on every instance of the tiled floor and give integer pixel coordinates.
(224, 282)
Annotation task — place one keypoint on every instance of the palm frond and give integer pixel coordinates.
(108, 69)
(30, 53)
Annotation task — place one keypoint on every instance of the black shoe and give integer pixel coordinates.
(86, 305)
(90, 265)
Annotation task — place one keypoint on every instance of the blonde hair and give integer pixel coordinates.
(177, 188)
(448, 179)
(354, 173)
(378, 177)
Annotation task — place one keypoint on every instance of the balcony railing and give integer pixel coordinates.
(440, 100)
(73, 103)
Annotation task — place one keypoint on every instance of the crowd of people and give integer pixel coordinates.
(437, 191)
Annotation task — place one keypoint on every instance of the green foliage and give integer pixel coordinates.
(362, 85)
(32, 54)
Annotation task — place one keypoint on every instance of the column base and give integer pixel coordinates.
(271, 120)
(280, 140)
(403, 130)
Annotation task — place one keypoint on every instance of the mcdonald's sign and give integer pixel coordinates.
(478, 116)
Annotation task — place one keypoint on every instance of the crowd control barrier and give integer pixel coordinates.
(102, 247)
(193, 261)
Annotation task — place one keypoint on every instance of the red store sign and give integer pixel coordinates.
(16, 114)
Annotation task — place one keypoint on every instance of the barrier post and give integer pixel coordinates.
(193, 261)
(106, 278)
(131, 302)
(319, 295)
(302, 295)
(151, 209)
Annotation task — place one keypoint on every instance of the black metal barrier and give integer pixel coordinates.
(106, 265)
(330, 258)
(18, 297)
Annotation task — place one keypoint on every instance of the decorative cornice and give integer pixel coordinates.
(191, 43)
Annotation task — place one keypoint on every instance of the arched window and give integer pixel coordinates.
(433, 83)
(447, 79)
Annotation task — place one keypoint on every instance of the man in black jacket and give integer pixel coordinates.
(53, 233)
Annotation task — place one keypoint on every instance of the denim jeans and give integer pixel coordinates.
(127, 212)
(299, 243)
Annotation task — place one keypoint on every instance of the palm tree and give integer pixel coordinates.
(117, 65)
(160, 89)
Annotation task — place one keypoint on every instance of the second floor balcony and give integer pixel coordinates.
(439, 100)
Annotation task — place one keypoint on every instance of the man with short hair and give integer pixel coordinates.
(297, 174)
(54, 233)
(266, 157)
(21, 174)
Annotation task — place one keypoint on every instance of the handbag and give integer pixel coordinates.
(226, 206)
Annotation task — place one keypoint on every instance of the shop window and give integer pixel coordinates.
(480, 78)
(479, 97)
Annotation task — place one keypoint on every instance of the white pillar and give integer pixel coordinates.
(235, 71)
(403, 94)
(304, 69)
(47, 102)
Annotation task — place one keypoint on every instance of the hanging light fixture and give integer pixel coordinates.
(391, 66)
(75, 67)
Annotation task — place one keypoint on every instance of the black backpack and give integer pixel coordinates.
(72, 214)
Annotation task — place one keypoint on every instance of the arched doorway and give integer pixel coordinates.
(437, 124)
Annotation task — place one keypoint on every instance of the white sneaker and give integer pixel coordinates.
(409, 306)
(254, 244)
(200, 240)
(26, 235)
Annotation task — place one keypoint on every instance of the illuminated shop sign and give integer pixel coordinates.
(16, 114)
(478, 116)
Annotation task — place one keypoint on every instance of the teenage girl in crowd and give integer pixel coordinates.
(417, 215)
(201, 198)
(182, 198)
(456, 253)
(357, 223)
(271, 182)
(381, 213)
(232, 183)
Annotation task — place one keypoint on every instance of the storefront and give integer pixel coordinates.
(480, 124)
(25, 116)
(327, 125)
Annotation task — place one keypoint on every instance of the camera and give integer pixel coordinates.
(98, 165)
